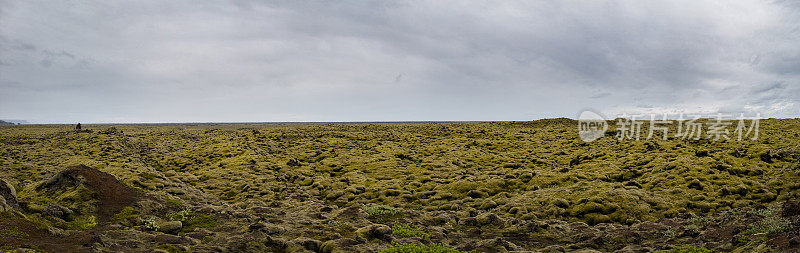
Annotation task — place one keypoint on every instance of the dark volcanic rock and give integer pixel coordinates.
(170, 227)
(496, 245)
(111, 194)
(57, 211)
(376, 231)
(9, 194)
(791, 208)
(304, 243)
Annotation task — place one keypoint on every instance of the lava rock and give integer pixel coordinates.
(488, 219)
(634, 249)
(57, 211)
(170, 227)
(496, 245)
(790, 208)
(376, 231)
(553, 248)
(9, 194)
(304, 243)
(477, 194)
(267, 228)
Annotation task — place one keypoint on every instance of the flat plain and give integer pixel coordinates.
(395, 187)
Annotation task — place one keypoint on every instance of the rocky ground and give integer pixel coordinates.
(393, 188)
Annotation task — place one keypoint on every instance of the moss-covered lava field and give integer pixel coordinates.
(394, 187)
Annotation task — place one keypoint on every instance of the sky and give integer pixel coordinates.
(272, 61)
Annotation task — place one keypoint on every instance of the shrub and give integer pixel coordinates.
(419, 248)
(688, 249)
(148, 176)
(192, 220)
(84, 222)
(408, 231)
(382, 211)
(170, 248)
(127, 217)
(770, 223)
(150, 224)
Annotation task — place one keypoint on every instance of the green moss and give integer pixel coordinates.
(408, 231)
(127, 217)
(441, 167)
(595, 218)
(148, 176)
(170, 248)
(83, 222)
(382, 211)
(688, 249)
(419, 248)
(81, 199)
(192, 220)
(6, 233)
(770, 222)
(150, 224)
(174, 202)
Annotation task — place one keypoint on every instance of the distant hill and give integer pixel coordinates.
(13, 122)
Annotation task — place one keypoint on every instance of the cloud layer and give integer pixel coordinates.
(215, 61)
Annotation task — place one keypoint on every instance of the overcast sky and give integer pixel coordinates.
(235, 61)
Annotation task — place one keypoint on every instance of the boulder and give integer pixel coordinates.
(86, 190)
(375, 231)
(488, 219)
(790, 208)
(3, 206)
(304, 243)
(586, 251)
(496, 245)
(634, 249)
(9, 195)
(488, 204)
(64, 178)
(57, 211)
(341, 245)
(553, 249)
(267, 228)
(170, 227)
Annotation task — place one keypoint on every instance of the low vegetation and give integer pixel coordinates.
(404, 231)
(399, 188)
(419, 248)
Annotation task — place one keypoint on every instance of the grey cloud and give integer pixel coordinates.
(245, 60)
(773, 87)
(601, 95)
(23, 46)
(785, 65)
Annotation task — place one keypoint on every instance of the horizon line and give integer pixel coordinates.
(338, 122)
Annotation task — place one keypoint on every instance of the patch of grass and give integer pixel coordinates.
(12, 233)
(192, 220)
(770, 223)
(341, 227)
(419, 248)
(173, 202)
(170, 248)
(148, 176)
(83, 222)
(150, 224)
(688, 249)
(536, 170)
(127, 216)
(408, 231)
(383, 211)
